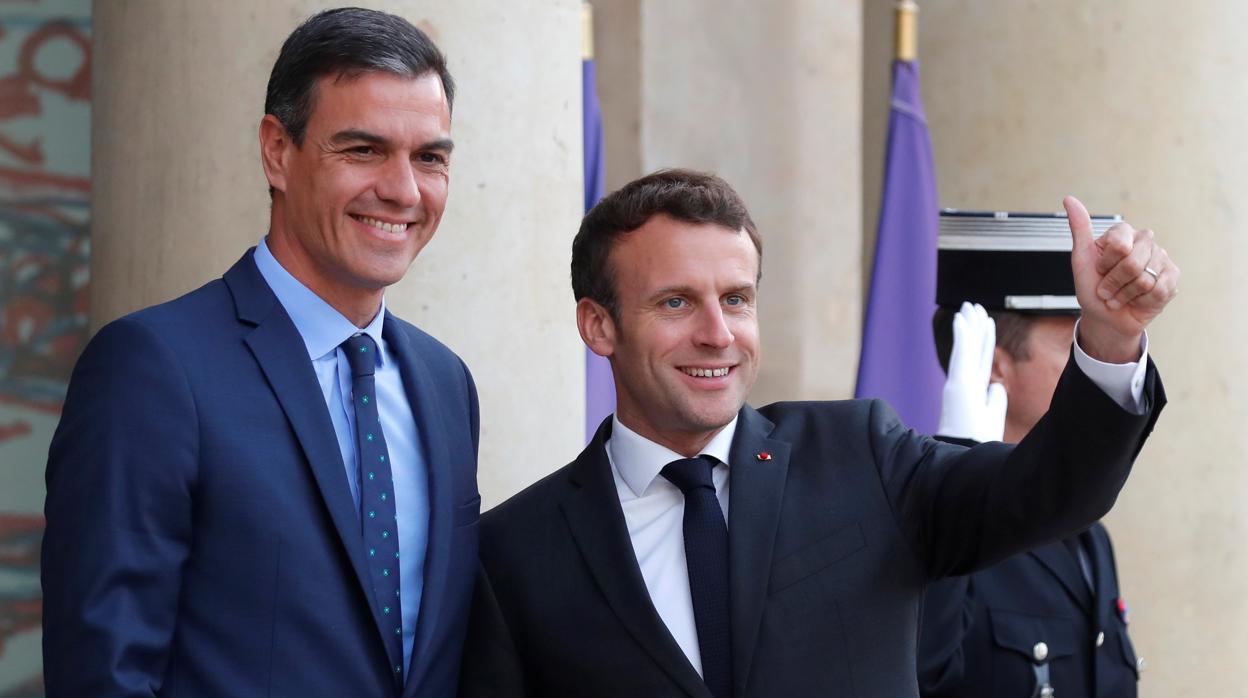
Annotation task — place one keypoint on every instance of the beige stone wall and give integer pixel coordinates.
(1137, 106)
(179, 193)
(767, 95)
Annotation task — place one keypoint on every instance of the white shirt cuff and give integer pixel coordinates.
(1123, 383)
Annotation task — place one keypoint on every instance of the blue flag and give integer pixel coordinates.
(599, 384)
(898, 361)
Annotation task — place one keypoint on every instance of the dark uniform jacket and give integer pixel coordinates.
(1027, 622)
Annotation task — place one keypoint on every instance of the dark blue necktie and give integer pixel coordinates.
(706, 554)
(378, 517)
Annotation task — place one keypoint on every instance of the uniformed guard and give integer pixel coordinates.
(1049, 622)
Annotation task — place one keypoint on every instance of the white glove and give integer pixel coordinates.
(971, 407)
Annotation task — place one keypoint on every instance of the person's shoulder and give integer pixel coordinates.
(190, 308)
(426, 345)
(532, 505)
(815, 413)
(188, 317)
(1101, 534)
(857, 429)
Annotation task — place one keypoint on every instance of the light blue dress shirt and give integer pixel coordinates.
(323, 329)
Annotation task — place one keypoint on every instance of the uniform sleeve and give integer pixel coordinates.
(119, 480)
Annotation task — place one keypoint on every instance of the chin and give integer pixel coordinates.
(708, 420)
(382, 273)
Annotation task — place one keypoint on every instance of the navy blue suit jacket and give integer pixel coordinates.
(201, 538)
(832, 537)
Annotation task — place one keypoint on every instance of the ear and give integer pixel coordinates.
(596, 326)
(1002, 368)
(275, 143)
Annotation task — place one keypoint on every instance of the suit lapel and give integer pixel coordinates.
(755, 496)
(278, 348)
(422, 394)
(1056, 558)
(596, 522)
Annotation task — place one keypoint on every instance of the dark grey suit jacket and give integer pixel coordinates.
(832, 542)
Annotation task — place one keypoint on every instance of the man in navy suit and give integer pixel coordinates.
(1051, 620)
(268, 486)
(701, 547)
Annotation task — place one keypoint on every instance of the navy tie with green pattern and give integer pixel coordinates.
(378, 517)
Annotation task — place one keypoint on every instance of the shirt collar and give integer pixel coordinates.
(321, 327)
(640, 460)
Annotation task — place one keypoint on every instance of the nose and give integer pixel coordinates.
(712, 328)
(398, 183)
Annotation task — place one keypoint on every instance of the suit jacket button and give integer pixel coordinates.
(1100, 639)
(1040, 651)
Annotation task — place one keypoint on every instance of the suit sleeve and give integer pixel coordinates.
(119, 479)
(474, 409)
(491, 665)
(964, 509)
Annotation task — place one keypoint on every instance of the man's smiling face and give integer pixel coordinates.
(364, 192)
(685, 345)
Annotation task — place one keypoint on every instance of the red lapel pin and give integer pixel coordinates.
(763, 455)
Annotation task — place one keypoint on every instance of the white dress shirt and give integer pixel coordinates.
(654, 509)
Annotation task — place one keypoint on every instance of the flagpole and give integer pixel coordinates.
(907, 14)
(587, 31)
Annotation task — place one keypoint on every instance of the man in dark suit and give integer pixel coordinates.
(700, 547)
(268, 486)
(1050, 619)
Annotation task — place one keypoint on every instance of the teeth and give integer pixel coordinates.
(706, 372)
(382, 225)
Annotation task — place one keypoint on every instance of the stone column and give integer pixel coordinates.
(178, 192)
(1138, 108)
(768, 95)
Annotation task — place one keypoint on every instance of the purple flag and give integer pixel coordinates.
(898, 361)
(599, 384)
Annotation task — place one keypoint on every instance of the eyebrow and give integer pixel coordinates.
(744, 289)
(355, 135)
(671, 291)
(444, 144)
(689, 290)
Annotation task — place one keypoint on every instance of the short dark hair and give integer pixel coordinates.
(685, 195)
(347, 41)
(1013, 331)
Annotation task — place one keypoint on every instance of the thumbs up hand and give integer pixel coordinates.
(1123, 280)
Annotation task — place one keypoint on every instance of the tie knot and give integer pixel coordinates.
(690, 473)
(361, 354)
